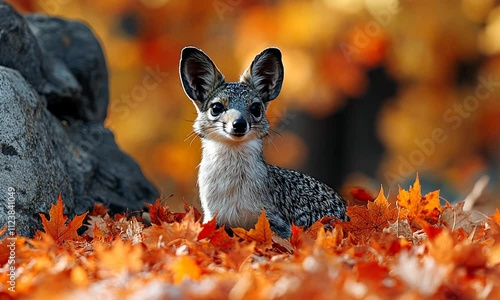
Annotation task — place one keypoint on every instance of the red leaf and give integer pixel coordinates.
(196, 212)
(221, 239)
(361, 195)
(429, 229)
(207, 229)
(160, 213)
(296, 238)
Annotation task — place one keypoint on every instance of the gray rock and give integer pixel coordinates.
(109, 175)
(21, 51)
(34, 153)
(53, 101)
(74, 44)
(62, 59)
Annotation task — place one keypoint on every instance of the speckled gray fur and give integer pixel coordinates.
(235, 181)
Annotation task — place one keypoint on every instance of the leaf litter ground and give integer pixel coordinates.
(413, 249)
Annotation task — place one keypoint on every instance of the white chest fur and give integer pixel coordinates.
(232, 182)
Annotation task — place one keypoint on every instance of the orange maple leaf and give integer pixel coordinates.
(494, 224)
(496, 216)
(262, 233)
(426, 207)
(56, 227)
(373, 218)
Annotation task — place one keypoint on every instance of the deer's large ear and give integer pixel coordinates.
(265, 74)
(199, 75)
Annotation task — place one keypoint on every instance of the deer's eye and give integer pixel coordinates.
(216, 109)
(256, 110)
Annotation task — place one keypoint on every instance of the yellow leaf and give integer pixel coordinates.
(426, 207)
(496, 216)
(441, 247)
(119, 257)
(79, 276)
(185, 267)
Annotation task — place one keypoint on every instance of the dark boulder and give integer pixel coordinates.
(74, 44)
(35, 154)
(53, 101)
(21, 51)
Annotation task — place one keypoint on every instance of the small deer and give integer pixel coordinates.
(235, 182)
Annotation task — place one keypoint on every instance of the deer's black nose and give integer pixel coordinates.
(240, 126)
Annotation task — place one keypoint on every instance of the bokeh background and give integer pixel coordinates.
(374, 91)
